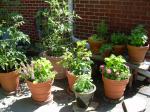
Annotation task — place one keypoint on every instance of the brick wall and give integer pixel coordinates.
(28, 8)
(121, 15)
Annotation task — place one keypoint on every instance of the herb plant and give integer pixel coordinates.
(102, 30)
(118, 38)
(83, 84)
(38, 71)
(138, 36)
(105, 47)
(59, 20)
(115, 68)
(77, 60)
(95, 37)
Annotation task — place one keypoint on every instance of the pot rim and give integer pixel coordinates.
(70, 73)
(52, 81)
(115, 80)
(137, 47)
(44, 53)
(94, 89)
(90, 39)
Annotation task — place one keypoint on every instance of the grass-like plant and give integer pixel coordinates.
(118, 38)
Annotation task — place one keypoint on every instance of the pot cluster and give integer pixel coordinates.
(135, 44)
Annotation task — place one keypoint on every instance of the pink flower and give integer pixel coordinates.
(102, 67)
(108, 71)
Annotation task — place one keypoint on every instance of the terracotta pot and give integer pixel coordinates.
(137, 54)
(106, 54)
(9, 81)
(114, 89)
(95, 45)
(56, 66)
(84, 99)
(41, 92)
(71, 79)
(119, 49)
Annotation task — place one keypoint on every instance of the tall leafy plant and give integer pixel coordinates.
(11, 57)
(77, 60)
(59, 19)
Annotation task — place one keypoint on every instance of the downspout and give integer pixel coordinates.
(70, 2)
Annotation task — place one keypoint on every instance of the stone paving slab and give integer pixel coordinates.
(145, 91)
(62, 101)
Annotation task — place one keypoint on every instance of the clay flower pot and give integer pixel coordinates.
(71, 79)
(41, 92)
(137, 54)
(95, 45)
(119, 49)
(56, 66)
(114, 89)
(106, 54)
(84, 99)
(9, 81)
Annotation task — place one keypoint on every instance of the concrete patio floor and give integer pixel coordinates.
(63, 101)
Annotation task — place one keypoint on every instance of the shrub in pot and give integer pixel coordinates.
(137, 45)
(115, 75)
(39, 77)
(98, 39)
(58, 37)
(10, 56)
(77, 62)
(105, 50)
(119, 43)
(84, 91)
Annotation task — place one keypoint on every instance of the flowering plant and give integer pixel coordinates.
(115, 68)
(39, 70)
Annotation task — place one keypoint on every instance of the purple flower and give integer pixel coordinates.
(108, 71)
(32, 76)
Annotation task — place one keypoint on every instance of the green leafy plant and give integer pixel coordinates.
(11, 57)
(105, 47)
(102, 30)
(83, 84)
(138, 36)
(95, 37)
(115, 68)
(118, 38)
(38, 71)
(59, 20)
(77, 59)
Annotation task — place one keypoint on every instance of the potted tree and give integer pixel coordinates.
(77, 62)
(119, 43)
(98, 39)
(39, 77)
(115, 75)
(84, 91)
(105, 50)
(137, 45)
(10, 56)
(59, 18)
